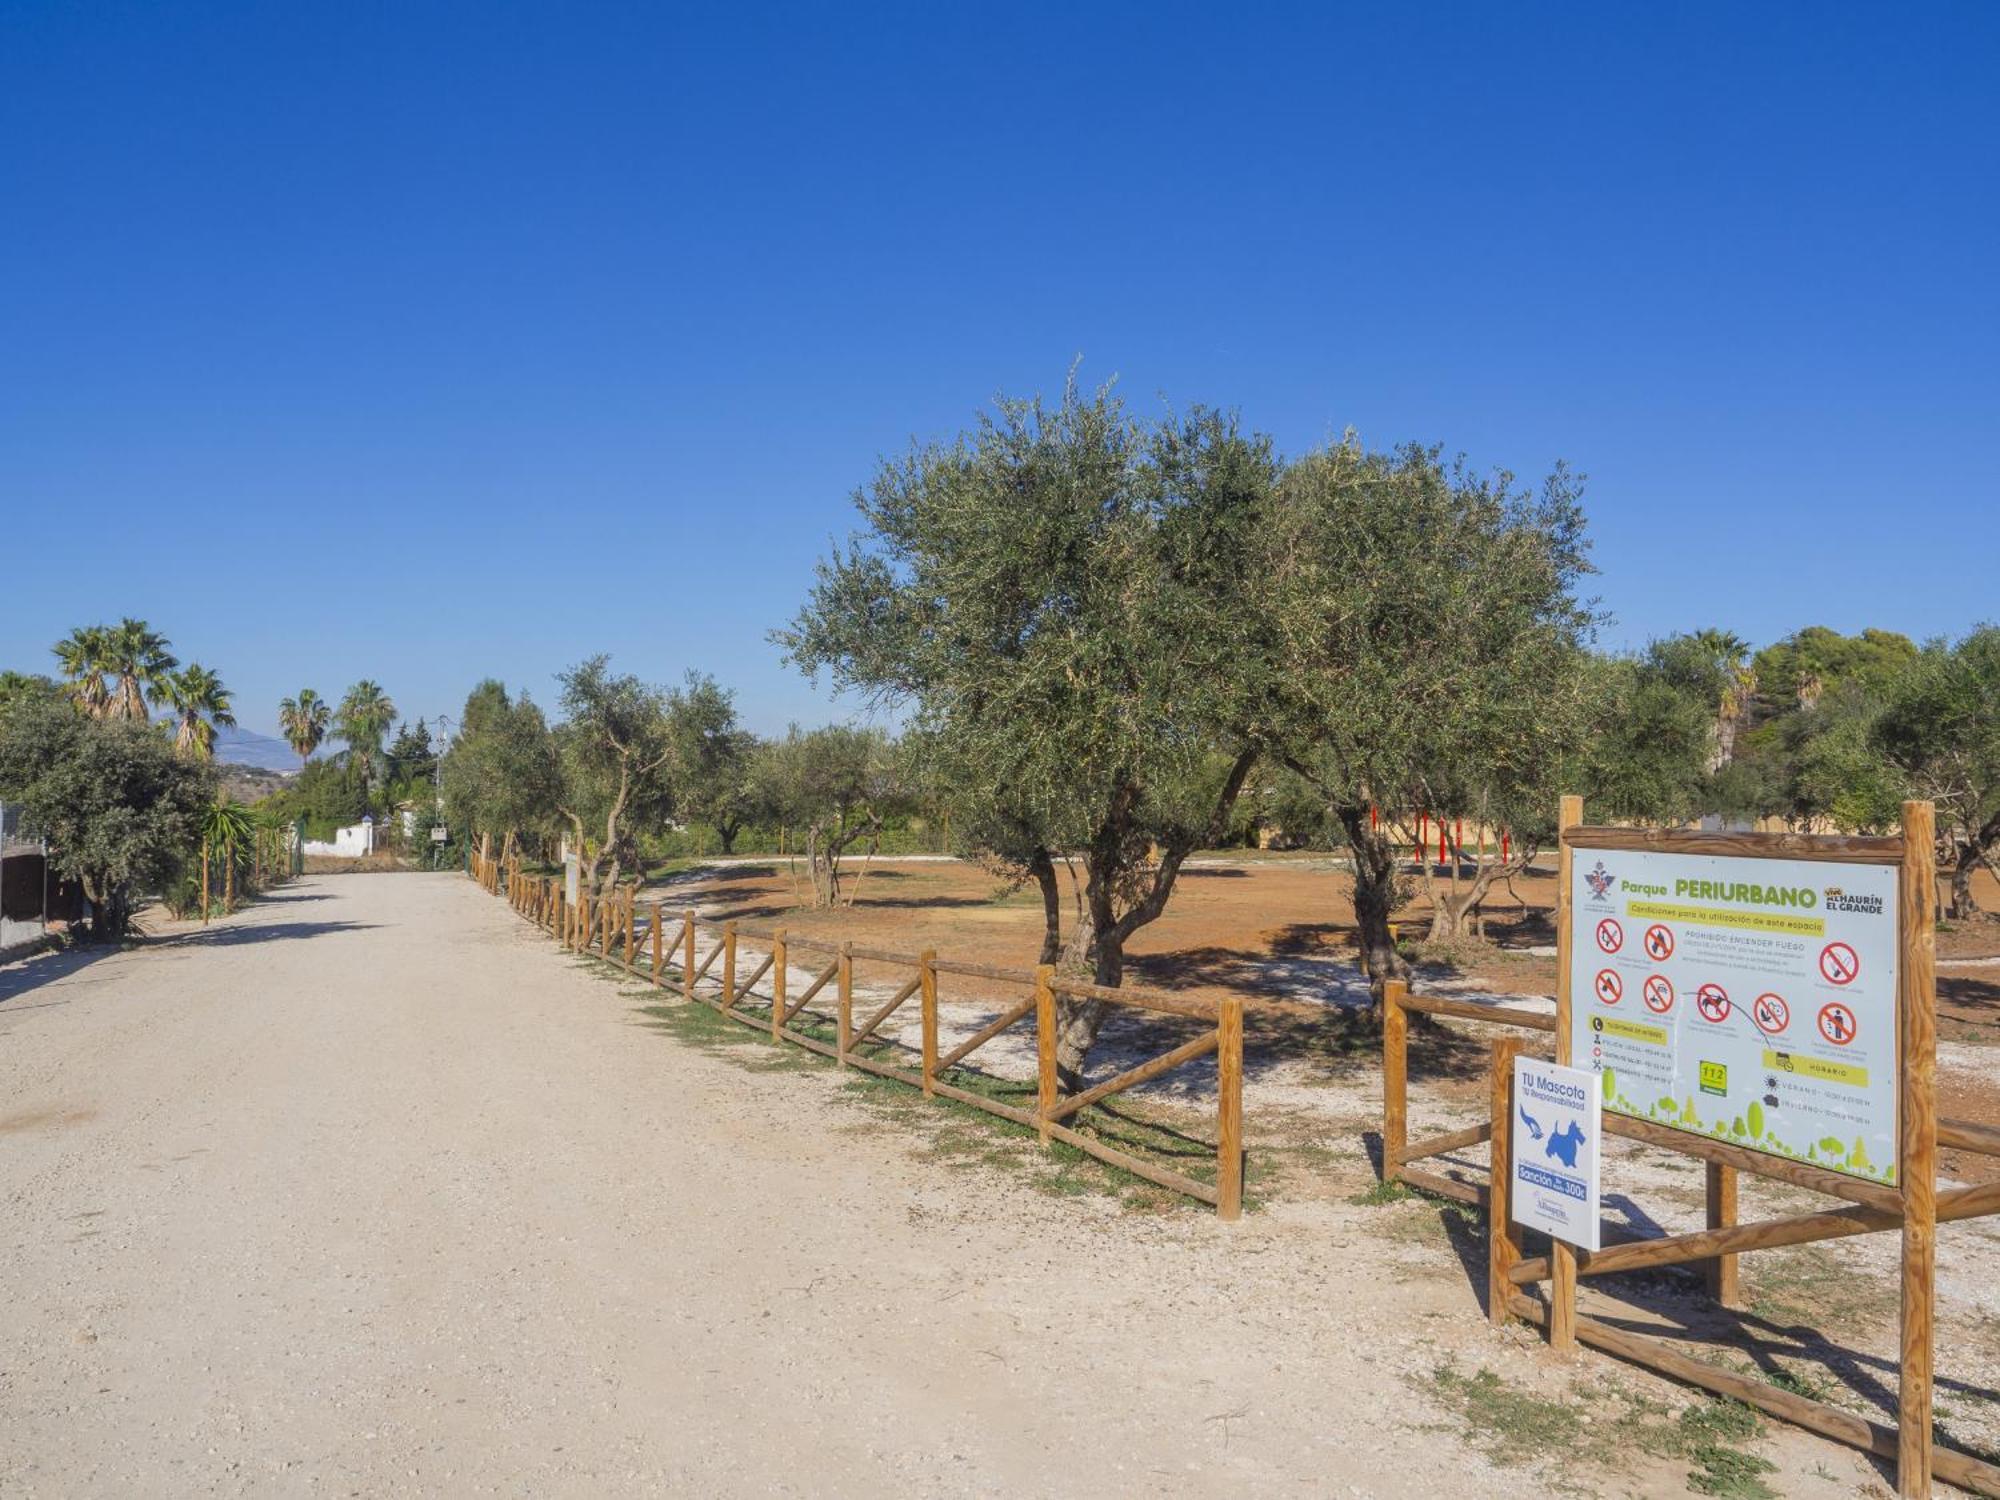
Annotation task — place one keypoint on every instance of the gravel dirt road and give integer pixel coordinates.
(369, 1190)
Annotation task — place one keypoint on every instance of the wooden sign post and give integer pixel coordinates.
(1767, 1003)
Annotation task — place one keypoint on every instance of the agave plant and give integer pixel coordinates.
(226, 831)
(304, 721)
(201, 705)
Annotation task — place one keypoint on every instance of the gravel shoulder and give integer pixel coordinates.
(369, 1189)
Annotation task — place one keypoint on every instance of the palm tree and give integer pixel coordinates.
(1731, 654)
(201, 705)
(85, 657)
(303, 721)
(137, 655)
(225, 830)
(364, 718)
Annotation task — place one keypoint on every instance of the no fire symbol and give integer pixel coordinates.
(1659, 943)
(1610, 987)
(1712, 1000)
(1610, 935)
(1837, 1023)
(1658, 993)
(1771, 1014)
(1838, 963)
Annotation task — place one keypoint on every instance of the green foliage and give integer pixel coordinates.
(304, 721)
(363, 719)
(17, 687)
(114, 669)
(410, 759)
(119, 808)
(1799, 671)
(1428, 641)
(615, 748)
(327, 794)
(1941, 730)
(1654, 733)
(201, 705)
(836, 785)
(502, 774)
(714, 760)
(1059, 599)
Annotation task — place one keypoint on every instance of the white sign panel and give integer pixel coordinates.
(1752, 1000)
(1557, 1112)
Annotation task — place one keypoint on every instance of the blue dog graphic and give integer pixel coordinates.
(1561, 1146)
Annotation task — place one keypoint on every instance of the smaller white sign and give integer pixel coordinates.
(438, 834)
(1555, 1129)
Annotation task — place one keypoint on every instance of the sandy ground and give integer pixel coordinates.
(370, 1190)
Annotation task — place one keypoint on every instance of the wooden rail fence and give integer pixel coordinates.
(649, 944)
(1867, 1208)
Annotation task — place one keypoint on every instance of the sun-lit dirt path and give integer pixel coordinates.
(371, 1191)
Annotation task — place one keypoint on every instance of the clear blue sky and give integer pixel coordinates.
(427, 342)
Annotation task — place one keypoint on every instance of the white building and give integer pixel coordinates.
(348, 843)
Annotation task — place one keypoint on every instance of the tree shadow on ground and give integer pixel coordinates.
(1672, 1304)
(257, 932)
(1973, 1001)
(21, 976)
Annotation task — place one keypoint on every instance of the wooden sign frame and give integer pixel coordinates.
(1910, 1205)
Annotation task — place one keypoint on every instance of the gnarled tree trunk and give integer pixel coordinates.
(1374, 900)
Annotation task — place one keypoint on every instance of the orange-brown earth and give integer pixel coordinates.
(1270, 929)
(1234, 926)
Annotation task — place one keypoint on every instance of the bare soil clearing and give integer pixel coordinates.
(1277, 932)
(371, 1190)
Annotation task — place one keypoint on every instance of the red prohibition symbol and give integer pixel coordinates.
(1712, 1000)
(1837, 1024)
(1838, 963)
(1610, 987)
(1658, 993)
(1771, 1014)
(1659, 943)
(1610, 935)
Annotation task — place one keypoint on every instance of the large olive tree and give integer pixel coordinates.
(1426, 649)
(616, 752)
(1063, 602)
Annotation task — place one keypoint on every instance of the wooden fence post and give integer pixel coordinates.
(631, 900)
(1917, 1145)
(1229, 1108)
(927, 1001)
(778, 963)
(728, 963)
(1395, 1079)
(1045, 1046)
(1503, 1239)
(1562, 1254)
(1720, 1273)
(687, 954)
(658, 938)
(844, 1027)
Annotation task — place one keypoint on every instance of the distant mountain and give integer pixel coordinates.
(246, 747)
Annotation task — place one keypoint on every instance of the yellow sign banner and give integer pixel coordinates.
(1722, 916)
